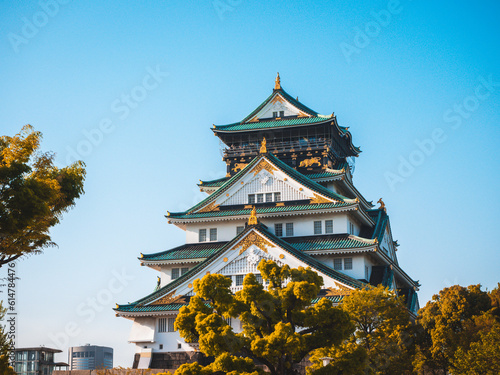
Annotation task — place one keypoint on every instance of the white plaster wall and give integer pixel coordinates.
(166, 271)
(226, 231)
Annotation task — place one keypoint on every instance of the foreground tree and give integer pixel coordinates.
(449, 323)
(382, 342)
(33, 194)
(280, 326)
(5, 342)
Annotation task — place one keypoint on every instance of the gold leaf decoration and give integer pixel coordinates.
(318, 199)
(209, 208)
(339, 291)
(263, 164)
(254, 239)
(169, 298)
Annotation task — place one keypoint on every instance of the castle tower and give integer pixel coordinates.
(288, 196)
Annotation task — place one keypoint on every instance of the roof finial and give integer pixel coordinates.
(277, 83)
(382, 205)
(263, 148)
(252, 220)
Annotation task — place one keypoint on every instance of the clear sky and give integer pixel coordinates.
(417, 82)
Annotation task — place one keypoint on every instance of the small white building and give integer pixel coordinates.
(295, 167)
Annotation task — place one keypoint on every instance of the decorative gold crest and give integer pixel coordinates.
(252, 220)
(263, 164)
(209, 208)
(169, 298)
(318, 199)
(339, 291)
(254, 239)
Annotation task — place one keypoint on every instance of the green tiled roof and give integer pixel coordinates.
(260, 210)
(238, 126)
(310, 261)
(150, 308)
(188, 251)
(213, 183)
(280, 165)
(380, 217)
(334, 299)
(328, 242)
(315, 176)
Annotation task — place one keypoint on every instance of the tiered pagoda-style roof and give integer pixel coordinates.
(296, 134)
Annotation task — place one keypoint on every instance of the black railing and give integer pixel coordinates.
(276, 147)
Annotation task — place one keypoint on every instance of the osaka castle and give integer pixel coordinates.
(288, 196)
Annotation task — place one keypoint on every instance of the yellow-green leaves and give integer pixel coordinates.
(280, 326)
(33, 194)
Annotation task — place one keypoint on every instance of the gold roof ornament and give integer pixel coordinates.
(382, 205)
(277, 82)
(252, 220)
(263, 148)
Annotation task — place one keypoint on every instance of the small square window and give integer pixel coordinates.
(184, 270)
(228, 321)
(239, 230)
(348, 263)
(260, 198)
(277, 197)
(213, 234)
(251, 198)
(161, 346)
(179, 346)
(337, 264)
(275, 114)
(282, 113)
(259, 278)
(239, 280)
(269, 197)
(289, 229)
(278, 230)
(202, 236)
(317, 227)
(175, 273)
(328, 226)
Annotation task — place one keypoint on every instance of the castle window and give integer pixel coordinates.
(337, 264)
(161, 346)
(275, 114)
(166, 325)
(277, 197)
(317, 227)
(239, 280)
(228, 321)
(239, 230)
(282, 113)
(179, 345)
(278, 230)
(269, 197)
(251, 198)
(259, 278)
(351, 228)
(348, 263)
(202, 235)
(184, 270)
(213, 234)
(175, 273)
(289, 229)
(260, 198)
(328, 226)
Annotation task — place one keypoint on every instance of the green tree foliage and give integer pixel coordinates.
(449, 323)
(5, 369)
(382, 342)
(33, 194)
(280, 326)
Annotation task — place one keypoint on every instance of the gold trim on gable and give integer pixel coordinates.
(318, 199)
(263, 164)
(339, 291)
(254, 239)
(209, 208)
(169, 298)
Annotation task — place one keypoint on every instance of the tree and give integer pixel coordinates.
(280, 324)
(5, 347)
(33, 194)
(452, 320)
(382, 342)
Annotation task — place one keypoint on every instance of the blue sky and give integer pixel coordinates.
(416, 82)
